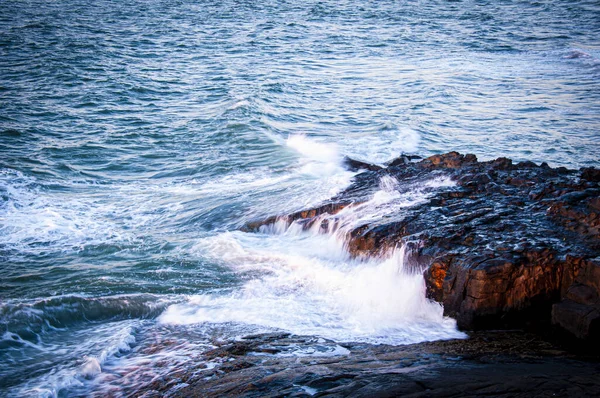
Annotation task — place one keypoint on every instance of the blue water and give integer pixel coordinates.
(137, 137)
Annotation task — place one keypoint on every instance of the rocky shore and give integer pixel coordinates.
(511, 245)
(512, 251)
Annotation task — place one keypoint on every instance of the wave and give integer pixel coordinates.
(53, 217)
(24, 322)
(71, 365)
(35, 220)
(384, 144)
(49, 346)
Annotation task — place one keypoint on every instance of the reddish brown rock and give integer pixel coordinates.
(448, 160)
(505, 291)
(306, 217)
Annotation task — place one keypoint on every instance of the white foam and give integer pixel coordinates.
(91, 368)
(35, 221)
(313, 149)
(313, 350)
(440, 182)
(160, 352)
(235, 183)
(384, 145)
(309, 390)
(377, 301)
(309, 285)
(318, 159)
(388, 201)
(239, 104)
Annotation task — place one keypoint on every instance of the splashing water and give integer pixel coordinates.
(309, 275)
(319, 159)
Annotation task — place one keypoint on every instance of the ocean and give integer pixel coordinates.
(138, 138)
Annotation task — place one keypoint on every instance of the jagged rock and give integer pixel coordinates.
(402, 160)
(502, 246)
(306, 217)
(356, 165)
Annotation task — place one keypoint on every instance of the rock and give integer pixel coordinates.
(579, 311)
(448, 160)
(590, 174)
(356, 165)
(402, 160)
(581, 320)
(501, 248)
(305, 217)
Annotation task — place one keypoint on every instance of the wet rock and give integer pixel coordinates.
(305, 217)
(590, 174)
(356, 165)
(403, 160)
(501, 247)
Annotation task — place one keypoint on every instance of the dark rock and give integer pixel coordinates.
(356, 165)
(579, 311)
(306, 217)
(402, 160)
(590, 174)
(581, 320)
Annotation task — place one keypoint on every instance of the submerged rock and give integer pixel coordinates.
(507, 245)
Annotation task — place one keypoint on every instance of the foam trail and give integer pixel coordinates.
(312, 149)
(377, 301)
(387, 201)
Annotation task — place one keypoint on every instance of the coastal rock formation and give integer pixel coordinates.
(507, 245)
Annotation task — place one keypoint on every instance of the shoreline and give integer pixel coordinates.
(512, 247)
(488, 363)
